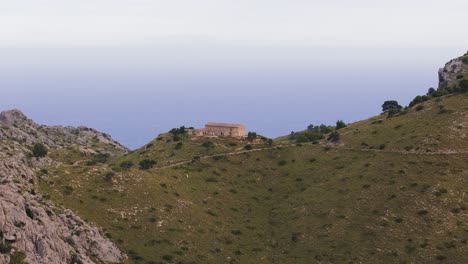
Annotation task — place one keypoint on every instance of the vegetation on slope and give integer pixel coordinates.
(392, 191)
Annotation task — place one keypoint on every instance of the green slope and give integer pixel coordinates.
(344, 203)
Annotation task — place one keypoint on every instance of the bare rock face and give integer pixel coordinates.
(14, 125)
(31, 225)
(453, 72)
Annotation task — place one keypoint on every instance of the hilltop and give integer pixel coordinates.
(388, 189)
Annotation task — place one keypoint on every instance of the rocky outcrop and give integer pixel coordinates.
(14, 125)
(453, 72)
(30, 224)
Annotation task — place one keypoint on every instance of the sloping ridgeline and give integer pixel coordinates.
(391, 190)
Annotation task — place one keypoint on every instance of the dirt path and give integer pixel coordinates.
(222, 155)
(401, 152)
(78, 162)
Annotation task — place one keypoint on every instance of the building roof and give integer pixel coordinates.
(223, 125)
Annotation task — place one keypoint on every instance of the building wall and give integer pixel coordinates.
(221, 131)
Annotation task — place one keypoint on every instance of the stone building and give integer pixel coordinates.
(221, 130)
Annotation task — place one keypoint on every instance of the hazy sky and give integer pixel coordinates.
(138, 68)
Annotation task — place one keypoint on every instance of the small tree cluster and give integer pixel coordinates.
(340, 124)
(251, 136)
(462, 87)
(324, 129)
(147, 164)
(391, 107)
(178, 133)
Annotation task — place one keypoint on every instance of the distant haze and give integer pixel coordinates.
(135, 69)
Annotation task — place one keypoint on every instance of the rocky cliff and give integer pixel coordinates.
(453, 71)
(33, 229)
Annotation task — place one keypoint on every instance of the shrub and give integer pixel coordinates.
(18, 258)
(340, 124)
(270, 142)
(109, 176)
(391, 105)
(323, 129)
(423, 212)
(236, 232)
(248, 147)
(147, 164)
(307, 136)
(419, 108)
(382, 146)
(251, 136)
(101, 157)
(178, 131)
(334, 136)
(4, 247)
(39, 150)
(295, 237)
(179, 145)
(431, 91)
(168, 258)
(211, 179)
(465, 59)
(67, 190)
(282, 162)
(208, 144)
(419, 99)
(464, 85)
(126, 164)
(29, 212)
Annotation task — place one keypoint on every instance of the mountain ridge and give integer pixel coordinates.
(391, 188)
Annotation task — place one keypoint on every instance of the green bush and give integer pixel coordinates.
(251, 136)
(248, 147)
(464, 85)
(208, 144)
(419, 99)
(39, 150)
(101, 157)
(419, 108)
(340, 124)
(179, 145)
(465, 59)
(109, 176)
(126, 164)
(147, 164)
(391, 105)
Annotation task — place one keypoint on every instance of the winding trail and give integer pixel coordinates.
(221, 155)
(401, 152)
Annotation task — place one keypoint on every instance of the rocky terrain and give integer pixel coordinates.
(32, 229)
(453, 72)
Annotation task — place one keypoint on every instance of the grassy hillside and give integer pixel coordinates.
(392, 191)
(437, 125)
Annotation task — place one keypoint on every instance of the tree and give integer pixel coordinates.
(147, 164)
(391, 105)
(431, 91)
(251, 136)
(340, 124)
(39, 150)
